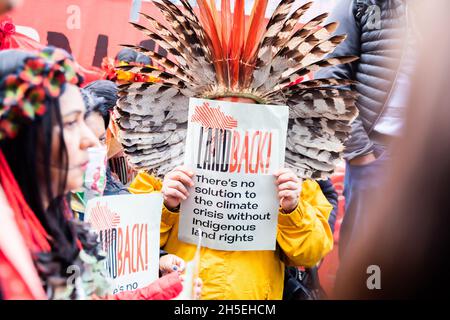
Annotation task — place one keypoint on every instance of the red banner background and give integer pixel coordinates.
(103, 25)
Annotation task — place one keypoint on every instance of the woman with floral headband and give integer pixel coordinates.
(44, 141)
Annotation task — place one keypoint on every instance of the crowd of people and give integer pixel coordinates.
(54, 127)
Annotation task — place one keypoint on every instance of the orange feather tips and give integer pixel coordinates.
(217, 50)
(234, 38)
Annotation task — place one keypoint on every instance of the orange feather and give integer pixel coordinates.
(237, 40)
(207, 18)
(257, 25)
(226, 31)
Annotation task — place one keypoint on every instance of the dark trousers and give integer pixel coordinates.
(360, 185)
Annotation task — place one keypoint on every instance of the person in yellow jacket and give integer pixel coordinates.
(304, 238)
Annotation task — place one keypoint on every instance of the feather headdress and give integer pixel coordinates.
(215, 54)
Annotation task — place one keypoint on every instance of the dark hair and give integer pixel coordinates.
(143, 59)
(29, 156)
(126, 55)
(105, 97)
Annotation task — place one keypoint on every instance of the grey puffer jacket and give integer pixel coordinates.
(380, 48)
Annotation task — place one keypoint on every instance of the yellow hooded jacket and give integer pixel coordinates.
(304, 237)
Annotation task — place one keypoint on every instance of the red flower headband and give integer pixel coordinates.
(23, 95)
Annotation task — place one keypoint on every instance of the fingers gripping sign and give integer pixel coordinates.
(289, 188)
(175, 186)
(171, 263)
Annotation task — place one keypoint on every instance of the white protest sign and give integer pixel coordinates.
(234, 149)
(128, 226)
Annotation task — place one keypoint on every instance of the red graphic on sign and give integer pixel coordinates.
(103, 218)
(213, 118)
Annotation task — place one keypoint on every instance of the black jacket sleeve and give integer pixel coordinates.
(332, 197)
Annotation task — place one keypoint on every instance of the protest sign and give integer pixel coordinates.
(128, 226)
(234, 149)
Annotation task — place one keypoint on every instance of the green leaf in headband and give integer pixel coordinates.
(14, 91)
(69, 72)
(35, 103)
(54, 82)
(33, 71)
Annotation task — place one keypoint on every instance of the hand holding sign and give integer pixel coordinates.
(289, 188)
(171, 263)
(175, 186)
